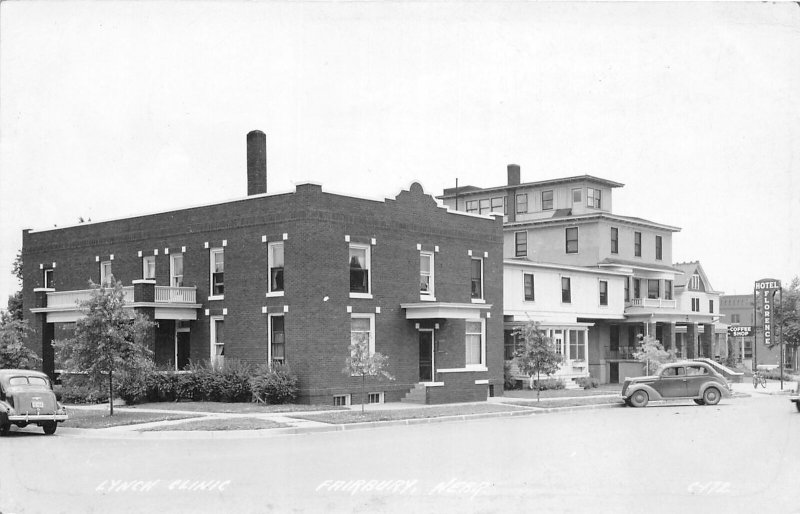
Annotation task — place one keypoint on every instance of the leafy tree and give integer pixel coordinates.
(788, 314)
(535, 353)
(652, 354)
(107, 341)
(363, 364)
(13, 352)
(14, 310)
(16, 266)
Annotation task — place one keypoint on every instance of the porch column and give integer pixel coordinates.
(668, 334)
(144, 291)
(707, 340)
(691, 340)
(650, 329)
(43, 344)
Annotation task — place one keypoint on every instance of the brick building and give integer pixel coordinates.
(293, 278)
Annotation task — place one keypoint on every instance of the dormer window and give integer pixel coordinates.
(694, 283)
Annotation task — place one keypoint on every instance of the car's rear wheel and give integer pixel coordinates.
(4, 428)
(797, 404)
(700, 402)
(711, 396)
(49, 427)
(639, 399)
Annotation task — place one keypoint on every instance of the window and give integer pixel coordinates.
(484, 206)
(627, 289)
(603, 292)
(277, 340)
(637, 288)
(735, 318)
(426, 274)
(711, 306)
(637, 244)
(149, 267)
(359, 269)
(577, 196)
(472, 206)
(527, 280)
(572, 240)
(614, 240)
(521, 244)
(217, 272)
(47, 279)
(695, 304)
(176, 270)
(375, 398)
(547, 200)
(694, 283)
(509, 344)
(275, 257)
(474, 342)
(566, 290)
(593, 197)
(217, 341)
(105, 273)
(522, 204)
(659, 248)
(668, 289)
(577, 350)
(748, 349)
(499, 204)
(362, 331)
(476, 279)
(653, 288)
(341, 400)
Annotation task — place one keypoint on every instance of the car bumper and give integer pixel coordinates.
(794, 399)
(33, 418)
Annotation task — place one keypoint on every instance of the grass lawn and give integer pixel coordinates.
(99, 418)
(567, 402)
(220, 424)
(231, 408)
(349, 416)
(564, 393)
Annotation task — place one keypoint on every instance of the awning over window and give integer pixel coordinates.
(440, 310)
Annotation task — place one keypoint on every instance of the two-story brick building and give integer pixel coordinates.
(594, 272)
(293, 278)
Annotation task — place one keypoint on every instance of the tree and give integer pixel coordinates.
(16, 266)
(788, 314)
(652, 354)
(14, 310)
(107, 340)
(363, 364)
(535, 353)
(13, 352)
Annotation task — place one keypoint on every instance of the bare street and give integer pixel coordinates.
(738, 456)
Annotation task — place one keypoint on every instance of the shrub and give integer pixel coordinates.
(587, 382)
(204, 382)
(509, 382)
(548, 383)
(75, 388)
(274, 385)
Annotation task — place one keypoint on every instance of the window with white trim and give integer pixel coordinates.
(659, 248)
(476, 278)
(694, 283)
(566, 290)
(359, 269)
(217, 271)
(176, 270)
(572, 240)
(522, 203)
(577, 348)
(614, 240)
(637, 244)
(341, 400)
(695, 304)
(362, 329)
(277, 339)
(149, 267)
(217, 340)
(426, 283)
(474, 342)
(528, 287)
(604, 292)
(47, 278)
(105, 273)
(653, 288)
(275, 264)
(499, 204)
(577, 195)
(668, 289)
(375, 398)
(521, 243)
(593, 197)
(547, 200)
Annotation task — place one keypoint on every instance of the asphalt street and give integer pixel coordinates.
(741, 455)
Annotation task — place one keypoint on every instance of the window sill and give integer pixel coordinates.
(427, 298)
(366, 296)
(274, 294)
(478, 300)
(468, 368)
(216, 297)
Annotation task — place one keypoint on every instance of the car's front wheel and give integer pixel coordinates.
(639, 399)
(5, 428)
(700, 402)
(49, 427)
(711, 396)
(797, 404)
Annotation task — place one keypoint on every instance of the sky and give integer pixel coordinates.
(110, 109)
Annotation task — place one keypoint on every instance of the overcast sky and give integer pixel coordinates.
(109, 109)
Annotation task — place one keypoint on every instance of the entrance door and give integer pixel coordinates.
(426, 355)
(182, 350)
(613, 372)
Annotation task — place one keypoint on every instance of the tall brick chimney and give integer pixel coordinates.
(513, 174)
(256, 163)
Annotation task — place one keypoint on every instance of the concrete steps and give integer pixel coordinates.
(416, 395)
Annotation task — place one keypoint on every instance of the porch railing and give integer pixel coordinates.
(163, 294)
(167, 294)
(658, 303)
(622, 353)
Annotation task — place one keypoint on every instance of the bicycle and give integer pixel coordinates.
(759, 378)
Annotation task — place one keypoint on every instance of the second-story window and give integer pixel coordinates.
(603, 292)
(105, 273)
(659, 248)
(637, 288)
(217, 259)
(359, 269)
(527, 281)
(653, 289)
(627, 289)
(176, 270)
(499, 204)
(711, 306)
(149, 267)
(695, 304)
(637, 244)
(547, 200)
(47, 281)
(566, 290)
(522, 203)
(614, 240)
(476, 279)
(521, 244)
(593, 197)
(668, 289)
(572, 240)
(275, 256)
(426, 274)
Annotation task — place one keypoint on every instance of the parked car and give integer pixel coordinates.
(689, 380)
(27, 397)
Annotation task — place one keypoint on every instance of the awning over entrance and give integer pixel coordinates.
(442, 310)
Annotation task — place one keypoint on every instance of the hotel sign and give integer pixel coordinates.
(740, 331)
(765, 301)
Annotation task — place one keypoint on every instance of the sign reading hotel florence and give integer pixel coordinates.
(764, 295)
